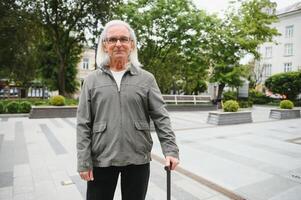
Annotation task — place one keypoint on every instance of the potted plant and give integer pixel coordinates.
(286, 111)
(230, 115)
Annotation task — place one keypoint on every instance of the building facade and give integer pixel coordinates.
(85, 66)
(284, 56)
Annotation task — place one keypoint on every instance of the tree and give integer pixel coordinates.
(171, 40)
(240, 33)
(65, 23)
(18, 49)
(287, 83)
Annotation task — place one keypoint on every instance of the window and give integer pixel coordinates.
(85, 63)
(287, 67)
(268, 52)
(289, 31)
(267, 70)
(288, 49)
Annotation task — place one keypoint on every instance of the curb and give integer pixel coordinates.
(14, 115)
(202, 180)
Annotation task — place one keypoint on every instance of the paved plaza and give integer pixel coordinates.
(257, 161)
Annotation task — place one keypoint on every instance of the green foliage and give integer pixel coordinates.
(12, 107)
(172, 36)
(259, 97)
(24, 107)
(231, 106)
(57, 100)
(286, 104)
(239, 33)
(230, 95)
(2, 107)
(287, 83)
(245, 103)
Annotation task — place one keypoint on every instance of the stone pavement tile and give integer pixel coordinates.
(7, 156)
(267, 189)
(20, 149)
(156, 192)
(22, 170)
(23, 184)
(6, 193)
(6, 179)
(57, 147)
(290, 194)
(24, 196)
(197, 190)
(219, 197)
(41, 174)
(45, 189)
(69, 192)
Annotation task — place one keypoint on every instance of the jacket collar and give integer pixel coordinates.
(131, 68)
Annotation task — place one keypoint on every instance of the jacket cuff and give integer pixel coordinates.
(84, 166)
(172, 154)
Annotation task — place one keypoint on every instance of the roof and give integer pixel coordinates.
(289, 9)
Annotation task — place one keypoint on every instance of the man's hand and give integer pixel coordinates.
(87, 176)
(171, 162)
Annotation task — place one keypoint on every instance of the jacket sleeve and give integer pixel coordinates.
(160, 117)
(83, 130)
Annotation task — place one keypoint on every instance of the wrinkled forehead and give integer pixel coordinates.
(118, 30)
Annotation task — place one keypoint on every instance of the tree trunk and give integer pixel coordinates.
(218, 100)
(61, 76)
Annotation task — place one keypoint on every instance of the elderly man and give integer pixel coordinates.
(113, 120)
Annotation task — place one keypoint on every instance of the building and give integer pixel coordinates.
(284, 56)
(85, 66)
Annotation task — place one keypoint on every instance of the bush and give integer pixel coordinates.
(229, 95)
(286, 104)
(259, 97)
(287, 83)
(12, 107)
(245, 103)
(231, 106)
(2, 107)
(57, 100)
(24, 107)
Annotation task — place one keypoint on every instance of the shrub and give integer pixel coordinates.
(259, 97)
(57, 100)
(229, 95)
(12, 107)
(231, 106)
(287, 83)
(245, 103)
(286, 104)
(24, 107)
(2, 107)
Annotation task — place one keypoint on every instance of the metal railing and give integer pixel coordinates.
(191, 99)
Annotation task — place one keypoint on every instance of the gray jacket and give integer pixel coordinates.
(113, 127)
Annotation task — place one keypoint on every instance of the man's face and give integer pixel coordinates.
(118, 43)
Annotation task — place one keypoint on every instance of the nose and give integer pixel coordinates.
(118, 43)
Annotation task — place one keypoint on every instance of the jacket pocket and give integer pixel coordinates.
(98, 144)
(99, 127)
(143, 136)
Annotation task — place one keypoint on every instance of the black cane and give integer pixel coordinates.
(168, 181)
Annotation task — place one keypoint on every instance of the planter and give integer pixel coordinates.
(227, 118)
(284, 113)
(52, 112)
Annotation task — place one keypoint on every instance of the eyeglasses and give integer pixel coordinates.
(122, 40)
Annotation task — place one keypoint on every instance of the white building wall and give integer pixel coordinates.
(278, 58)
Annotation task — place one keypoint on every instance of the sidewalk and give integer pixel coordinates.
(257, 161)
(38, 162)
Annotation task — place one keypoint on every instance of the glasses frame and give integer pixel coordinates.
(120, 39)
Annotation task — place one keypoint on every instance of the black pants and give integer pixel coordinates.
(134, 182)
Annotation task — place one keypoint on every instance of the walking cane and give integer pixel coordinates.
(168, 181)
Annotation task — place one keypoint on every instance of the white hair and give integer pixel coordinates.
(103, 58)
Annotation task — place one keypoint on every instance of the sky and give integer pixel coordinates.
(218, 6)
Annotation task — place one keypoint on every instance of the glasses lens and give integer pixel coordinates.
(113, 40)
